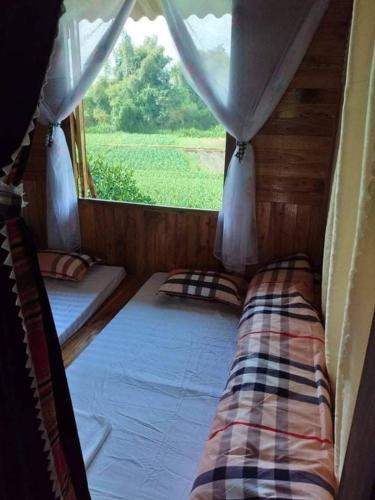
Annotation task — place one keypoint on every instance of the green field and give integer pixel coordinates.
(183, 169)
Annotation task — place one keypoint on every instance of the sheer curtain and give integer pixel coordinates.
(87, 33)
(241, 64)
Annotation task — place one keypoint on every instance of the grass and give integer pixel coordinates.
(218, 131)
(173, 169)
(167, 138)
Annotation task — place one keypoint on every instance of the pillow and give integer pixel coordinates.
(63, 265)
(292, 271)
(205, 285)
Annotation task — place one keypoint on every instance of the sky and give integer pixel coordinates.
(139, 30)
(215, 32)
(207, 33)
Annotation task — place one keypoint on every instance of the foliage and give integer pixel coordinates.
(169, 175)
(114, 181)
(97, 106)
(150, 137)
(216, 131)
(208, 139)
(144, 92)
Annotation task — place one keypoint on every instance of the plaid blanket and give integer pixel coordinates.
(272, 434)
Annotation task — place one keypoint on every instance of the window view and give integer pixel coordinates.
(149, 137)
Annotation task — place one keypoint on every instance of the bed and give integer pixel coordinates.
(74, 303)
(155, 373)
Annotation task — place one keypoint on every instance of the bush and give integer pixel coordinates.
(215, 131)
(102, 128)
(114, 181)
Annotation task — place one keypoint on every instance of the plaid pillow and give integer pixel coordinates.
(206, 285)
(294, 270)
(65, 266)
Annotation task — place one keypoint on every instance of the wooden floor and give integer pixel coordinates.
(81, 339)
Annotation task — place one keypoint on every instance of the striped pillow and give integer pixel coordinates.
(206, 285)
(65, 266)
(293, 270)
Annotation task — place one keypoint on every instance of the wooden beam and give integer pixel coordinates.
(71, 132)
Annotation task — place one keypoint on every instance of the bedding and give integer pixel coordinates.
(156, 373)
(94, 431)
(206, 285)
(62, 265)
(272, 433)
(295, 269)
(73, 303)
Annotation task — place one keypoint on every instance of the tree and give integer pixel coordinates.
(124, 58)
(186, 108)
(97, 104)
(144, 92)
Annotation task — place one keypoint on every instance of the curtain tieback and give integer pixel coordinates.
(51, 128)
(10, 203)
(241, 149)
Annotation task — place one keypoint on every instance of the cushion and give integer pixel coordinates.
(206, 285)
(292, 271)
(63, 265)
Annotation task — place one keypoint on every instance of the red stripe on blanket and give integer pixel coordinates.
(266, 428)
(284, 333)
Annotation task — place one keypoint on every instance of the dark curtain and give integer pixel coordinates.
(40, 455)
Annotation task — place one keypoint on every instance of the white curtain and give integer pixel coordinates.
(349, 253)
(87, 33)
(240, 65)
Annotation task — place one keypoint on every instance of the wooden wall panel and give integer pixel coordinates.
(146, 239)
(293, 152)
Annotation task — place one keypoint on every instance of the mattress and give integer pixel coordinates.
(156, 373)
(74, 303)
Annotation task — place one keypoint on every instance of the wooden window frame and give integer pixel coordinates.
(84, 181)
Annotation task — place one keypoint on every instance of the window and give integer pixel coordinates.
(149, 138)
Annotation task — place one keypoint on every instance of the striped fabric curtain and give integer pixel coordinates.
(40, 455)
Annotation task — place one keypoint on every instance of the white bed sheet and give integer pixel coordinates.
(74, 303)
(94, 430)
(156, 373)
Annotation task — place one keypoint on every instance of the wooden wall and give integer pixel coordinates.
(294, 153)
(35, 187)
